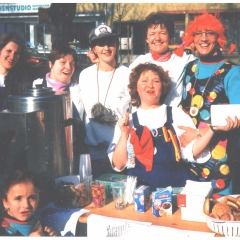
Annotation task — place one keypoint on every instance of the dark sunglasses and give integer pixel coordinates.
(106, 42)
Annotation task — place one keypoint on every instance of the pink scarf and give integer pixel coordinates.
(57, 86)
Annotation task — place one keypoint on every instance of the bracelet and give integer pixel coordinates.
(214, 130)
(198, 133)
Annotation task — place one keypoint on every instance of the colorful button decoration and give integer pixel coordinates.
(213, 95)
(205, 114)
(206, 171)
(218, 152)
(187, 79)
(194, 68)
(192, 91)
(197, 101)
(193, 111)
(220, 183)
(199, 94)
(188, 86)
(224, 169)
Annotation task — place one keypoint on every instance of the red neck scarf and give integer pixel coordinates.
(161, 57)
(143, 148)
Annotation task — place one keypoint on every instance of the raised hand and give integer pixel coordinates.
(124, 123)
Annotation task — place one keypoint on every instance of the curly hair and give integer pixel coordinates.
(204, 22)
(157, 18)
(135, 75)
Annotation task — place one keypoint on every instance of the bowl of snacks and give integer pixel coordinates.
(65, 195)
(70, 193)
(223, 215)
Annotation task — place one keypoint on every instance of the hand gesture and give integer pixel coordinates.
(39, 231)
(48, 231)
(124, 123)
(188, 136)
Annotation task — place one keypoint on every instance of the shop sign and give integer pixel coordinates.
(21, 8)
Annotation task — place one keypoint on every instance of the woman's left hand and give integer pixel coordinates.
(188, 136)
(231, 124)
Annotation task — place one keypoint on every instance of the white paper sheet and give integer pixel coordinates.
(100, 226)
(219, 113)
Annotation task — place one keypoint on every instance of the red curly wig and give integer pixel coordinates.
(205, 22)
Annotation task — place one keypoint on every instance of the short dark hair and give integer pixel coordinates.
(135, 75)
(158, 18)
(18, 176)
(61, 50)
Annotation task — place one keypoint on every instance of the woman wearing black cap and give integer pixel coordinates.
(105, 96)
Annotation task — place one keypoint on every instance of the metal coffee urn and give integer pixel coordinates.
(38, 133)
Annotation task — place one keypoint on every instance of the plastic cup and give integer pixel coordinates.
(118, 191)
(85, 168)
(98, 194)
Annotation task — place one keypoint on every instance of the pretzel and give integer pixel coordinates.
(208, 205)
(228, 209)
(232, 204)
(227, 217)
(221, 208)
(228, 199)
(236, 215)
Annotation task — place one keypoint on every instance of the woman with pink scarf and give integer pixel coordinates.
(62, 62)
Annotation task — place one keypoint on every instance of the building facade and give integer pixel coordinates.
(126, 18)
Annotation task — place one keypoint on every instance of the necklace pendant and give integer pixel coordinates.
(194, 111)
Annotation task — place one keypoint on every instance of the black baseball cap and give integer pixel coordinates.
(100, 32)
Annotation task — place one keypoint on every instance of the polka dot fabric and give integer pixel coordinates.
(198, 96)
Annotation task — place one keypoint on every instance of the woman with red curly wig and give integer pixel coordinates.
(212, 79)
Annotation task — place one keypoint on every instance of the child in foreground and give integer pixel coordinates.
(19, 201)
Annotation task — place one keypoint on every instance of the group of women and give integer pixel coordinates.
(159, 142)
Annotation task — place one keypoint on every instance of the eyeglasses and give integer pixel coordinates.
(209, 34)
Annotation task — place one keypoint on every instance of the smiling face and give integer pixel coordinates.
(9, 56)
(62, 69)
(158, 39)
(149, 88)
(205, 42)
(22, 200)
(105, 49)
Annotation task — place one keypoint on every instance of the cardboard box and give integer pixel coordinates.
(192, 198)
(162, 202)
(142, 198)
(108, 179)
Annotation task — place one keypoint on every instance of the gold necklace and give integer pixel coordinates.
(197, 104)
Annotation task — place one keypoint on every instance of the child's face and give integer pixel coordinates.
(22, 200)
